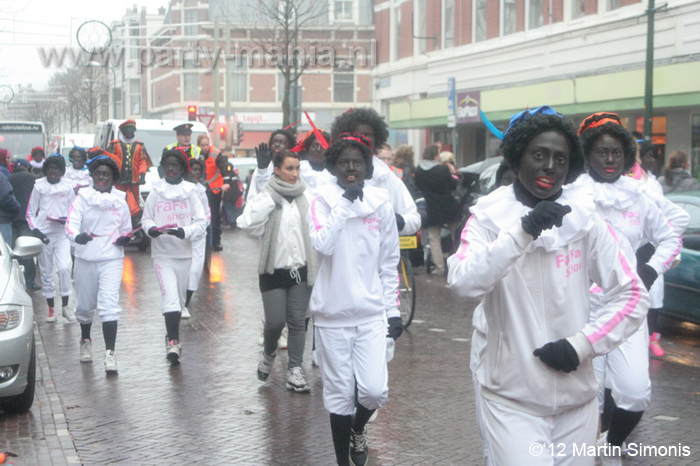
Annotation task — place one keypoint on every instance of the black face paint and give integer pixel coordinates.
(527, 198)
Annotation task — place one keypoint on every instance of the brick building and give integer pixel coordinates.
(581, 56)
(250, 87)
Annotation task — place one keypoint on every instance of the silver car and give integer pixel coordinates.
(17, 348)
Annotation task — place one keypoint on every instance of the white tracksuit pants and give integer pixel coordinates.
(56, 252)
(198, 252)
(98, 284)
(348, 355)
(516, 437)
(625, 371)
(172, 276)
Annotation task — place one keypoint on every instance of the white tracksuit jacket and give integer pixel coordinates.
(358, 246)
(383, 178)
(174, 204)
(80, 178)
(623, 205)
(679, 220)
(104, 215)
(536, 292)
(49, 201)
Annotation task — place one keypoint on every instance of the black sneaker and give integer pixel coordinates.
(217, 247)
(359, 453)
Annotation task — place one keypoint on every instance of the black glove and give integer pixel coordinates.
(38, 234)
(644, 253)
(559, 355)
(262, 153)
(647, 274)
(142, 178)
(154, 233)
(83, 238)
(544, 216)
(352, 192)
(395, 327)
(122, 241)
(179, 232)
(400, 222)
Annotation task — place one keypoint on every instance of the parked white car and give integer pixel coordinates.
(17, 347)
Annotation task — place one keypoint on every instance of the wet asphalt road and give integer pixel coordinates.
(213, 410)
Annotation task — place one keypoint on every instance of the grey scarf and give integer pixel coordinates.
(269, 238)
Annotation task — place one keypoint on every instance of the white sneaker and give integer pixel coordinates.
(282, 342)
(110, 362)
(52, 316)
(185, 313)
(68, 314)
(174, 353)
(86, 350)
(611, 459)
(296, 381)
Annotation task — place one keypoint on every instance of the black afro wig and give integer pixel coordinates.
(106, 161)
(590, 136)
(55, 161)
(518, 137)
(179, 155)
(291, 138)
(351, 119)
(334, 151)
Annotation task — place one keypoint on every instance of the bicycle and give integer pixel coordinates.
(407, 280)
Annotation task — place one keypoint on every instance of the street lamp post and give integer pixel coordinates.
(649, 71)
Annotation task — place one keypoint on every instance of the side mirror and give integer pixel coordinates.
(26, 247)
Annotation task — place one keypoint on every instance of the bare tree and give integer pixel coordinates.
(82, 91)
(275, 27)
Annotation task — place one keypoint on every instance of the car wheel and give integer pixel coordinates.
(21, 403)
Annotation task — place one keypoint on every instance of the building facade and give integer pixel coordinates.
(502, 56)
(211, 55)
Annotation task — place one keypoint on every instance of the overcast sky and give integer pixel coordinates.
(26, 24)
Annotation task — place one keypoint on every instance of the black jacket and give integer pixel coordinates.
(9, 207)
(436, 183)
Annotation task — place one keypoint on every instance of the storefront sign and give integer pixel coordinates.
(468, 107)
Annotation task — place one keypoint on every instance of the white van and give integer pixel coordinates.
(155, 135)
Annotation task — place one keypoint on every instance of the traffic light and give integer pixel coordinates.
(192, 113)
(222, 134)
(239, 133)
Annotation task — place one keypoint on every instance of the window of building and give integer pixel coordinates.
(509, 11)
(421, 25)
(344, 84)
(238, 79)
(134, 42)
(534, 15)
(191, 20)
(614, 4)
(135, 96)
(190, 84)
(343, 10)
(479, 20)
(448, 23)
(578, 8)
(396, 36)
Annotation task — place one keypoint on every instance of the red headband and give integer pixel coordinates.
(598, 119)
(357, 137)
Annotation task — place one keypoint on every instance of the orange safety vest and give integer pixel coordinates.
(214, 178)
